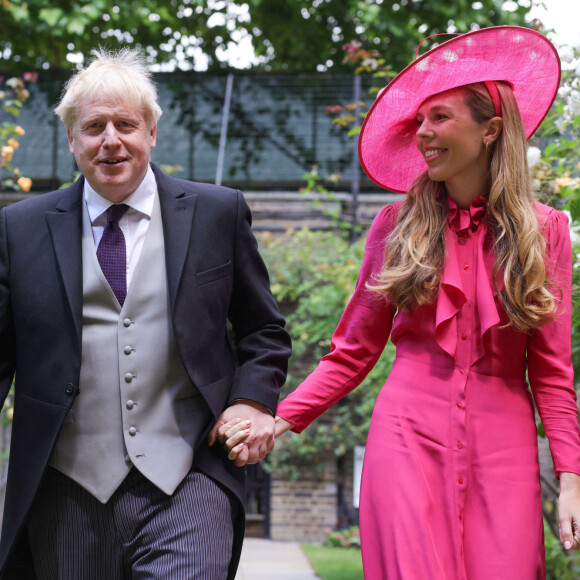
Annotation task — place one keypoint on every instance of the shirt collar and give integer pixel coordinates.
(141, 200)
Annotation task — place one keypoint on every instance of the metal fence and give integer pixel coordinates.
(254, 131)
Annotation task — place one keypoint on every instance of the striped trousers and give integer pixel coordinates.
(140, 533)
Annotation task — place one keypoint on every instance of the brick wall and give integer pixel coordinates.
(302, 510)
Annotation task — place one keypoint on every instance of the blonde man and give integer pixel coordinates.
(114, 299)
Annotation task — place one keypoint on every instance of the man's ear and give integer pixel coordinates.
(153, 136)
(71, 146)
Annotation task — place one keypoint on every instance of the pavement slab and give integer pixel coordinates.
(269, 560)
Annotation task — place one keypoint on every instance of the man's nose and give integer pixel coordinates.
(110, 135)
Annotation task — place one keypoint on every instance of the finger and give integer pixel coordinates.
(212, 437)
(238, 437)
(224, 427)
(253, 454)
(235, 452)
(566, 535)
(575, 535)
(230, 430)
(242, 456)
(270, 444)
(263, 452)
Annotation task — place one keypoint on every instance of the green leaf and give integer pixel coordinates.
(76, 26)
(51, 16)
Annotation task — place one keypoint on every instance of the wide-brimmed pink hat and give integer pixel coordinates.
(524, 58)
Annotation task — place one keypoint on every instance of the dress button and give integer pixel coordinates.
(461, 372)
(463, 336)
(130, 404)
(128, 377)
(459, 445)
(460, 405)
(127, 322)
(460, 516)
(132, 431)
(459, 481)
(70, 389)
(127, 350)
(466, 267)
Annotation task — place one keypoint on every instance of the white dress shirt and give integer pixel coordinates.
(134, 223)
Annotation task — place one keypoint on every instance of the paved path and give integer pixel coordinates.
(268, 560)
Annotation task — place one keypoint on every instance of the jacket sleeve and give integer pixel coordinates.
(262, 344)
(7, 356)
(550, 369)
(357, 343)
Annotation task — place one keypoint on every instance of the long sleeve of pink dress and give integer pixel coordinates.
(450, 487)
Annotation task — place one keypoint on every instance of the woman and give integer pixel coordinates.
(471, 279)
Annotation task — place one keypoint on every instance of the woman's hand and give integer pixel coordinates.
(281, 426)
(233, 434)
(569, 510)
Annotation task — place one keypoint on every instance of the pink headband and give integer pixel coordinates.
(492, 88)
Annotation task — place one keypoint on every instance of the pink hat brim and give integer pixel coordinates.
(524, 58)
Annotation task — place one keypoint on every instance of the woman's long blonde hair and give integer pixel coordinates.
(415, 251)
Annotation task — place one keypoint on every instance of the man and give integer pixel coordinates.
(115, 296)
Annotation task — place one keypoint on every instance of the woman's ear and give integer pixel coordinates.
(494, 128)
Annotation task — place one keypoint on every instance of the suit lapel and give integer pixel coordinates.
(177, 211)
(65, 225)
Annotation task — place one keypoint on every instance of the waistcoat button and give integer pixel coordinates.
(127, 322)
(128, 377)
(127, 350)
(130, 404)
(132, 431)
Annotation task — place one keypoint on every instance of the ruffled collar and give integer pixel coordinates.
(463, 219)
(452, 295)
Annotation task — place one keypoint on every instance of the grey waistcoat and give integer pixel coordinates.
(136, 405)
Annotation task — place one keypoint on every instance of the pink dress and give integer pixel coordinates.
(450, 486)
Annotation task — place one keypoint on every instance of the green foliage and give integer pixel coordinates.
(556, 169)
(305, 35)
(288, 35)
(313, 275)
(345, 538)
(326, 200)
(13, 95)
(334, 563)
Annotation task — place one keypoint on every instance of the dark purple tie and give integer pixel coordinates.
(112, 254)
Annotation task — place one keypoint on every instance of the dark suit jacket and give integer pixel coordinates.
(214, 273)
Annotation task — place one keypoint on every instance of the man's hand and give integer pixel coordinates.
(246, 429)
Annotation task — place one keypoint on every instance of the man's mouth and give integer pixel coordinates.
(112, 161)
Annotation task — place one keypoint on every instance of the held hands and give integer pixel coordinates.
(246, 430)
(236, 434)
(569, 510)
